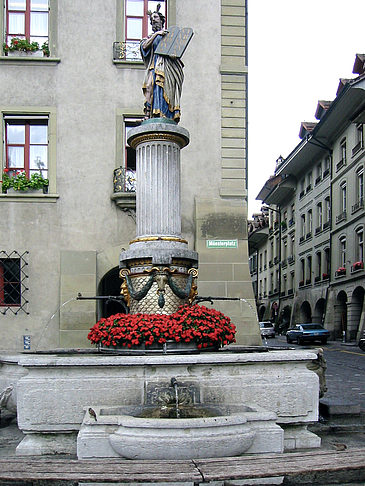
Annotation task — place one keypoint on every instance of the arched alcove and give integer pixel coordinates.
(305, 312)
(110, 286)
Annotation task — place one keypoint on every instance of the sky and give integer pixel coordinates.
(297, 52)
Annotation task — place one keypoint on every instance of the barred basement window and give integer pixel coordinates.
(12, 282)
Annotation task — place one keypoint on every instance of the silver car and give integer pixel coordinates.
(267, 329)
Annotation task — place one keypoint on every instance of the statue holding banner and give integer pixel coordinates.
(164, 77)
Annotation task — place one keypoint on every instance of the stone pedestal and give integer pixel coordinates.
(159, 269)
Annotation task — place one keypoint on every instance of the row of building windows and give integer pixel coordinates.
(320, 268)
(32, 20)
(28, 144)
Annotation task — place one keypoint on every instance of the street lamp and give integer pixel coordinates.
(278, 211)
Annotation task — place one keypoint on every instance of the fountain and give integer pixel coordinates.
(224, 403)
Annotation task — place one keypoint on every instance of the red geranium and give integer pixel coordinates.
(206, 327)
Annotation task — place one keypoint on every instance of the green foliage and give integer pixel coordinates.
(20, 182)
(25, 45)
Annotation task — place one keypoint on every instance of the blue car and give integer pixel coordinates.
(307, 332)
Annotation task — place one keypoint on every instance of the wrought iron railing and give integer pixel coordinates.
(124, 180)
(127, 51)
(13, 278)
(358, 205)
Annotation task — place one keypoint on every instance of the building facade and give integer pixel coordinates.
(66, 108)
(315, 239)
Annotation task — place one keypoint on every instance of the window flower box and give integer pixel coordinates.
(340, 271)
(325, 276)
(23, 48)
(20, 183)
(357, 266)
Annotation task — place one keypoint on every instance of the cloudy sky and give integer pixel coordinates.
(297, 52)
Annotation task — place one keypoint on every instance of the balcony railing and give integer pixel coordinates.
(124, 180)
(358, 205)
(318, 230)
(291, 260)
(318, 180)
(356, 148)
(325, 173)
(340, 164)
(127, 51)
(326, 225)
(124, 190)
(341, 217)
(291, 222)
(309, 188)
(290, 291)
(301, 194)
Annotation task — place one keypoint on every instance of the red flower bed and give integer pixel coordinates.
(206, 327)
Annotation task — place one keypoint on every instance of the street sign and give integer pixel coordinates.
(222, 243)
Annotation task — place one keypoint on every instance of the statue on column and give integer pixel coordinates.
(161, 53)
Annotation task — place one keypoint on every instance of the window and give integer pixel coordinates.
(10, 285)
(360, 245)
(343, 153)
(360, 185)
(327, 165)
(27, 19)
(310, 223)
(319, 216)
(327, 261)
(342, 261)
(327, 214)
(309, 181)
(309, 270)
(26, 145)
(319, 172)
(30, 141)
(302, 272)
(303, 226)
(359, 138)
(12, 281)
(319, 266)
(343, 197)
(285, 249)
(137, 25)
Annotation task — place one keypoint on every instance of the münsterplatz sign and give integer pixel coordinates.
(222, 243)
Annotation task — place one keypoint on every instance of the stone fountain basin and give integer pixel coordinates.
(141, 433)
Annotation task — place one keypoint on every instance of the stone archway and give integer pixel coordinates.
(319, 310)
(305, 312)
(340, 320)
(261, 313)
(110, 285)
(354, 310)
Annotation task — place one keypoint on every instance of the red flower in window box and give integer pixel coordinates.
(341, 271)
(198, 324)
(358, 265)
(325, 276)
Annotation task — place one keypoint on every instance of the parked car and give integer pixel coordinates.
(307, 332)
(267, 329)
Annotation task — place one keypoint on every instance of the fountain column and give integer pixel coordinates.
(159, 270)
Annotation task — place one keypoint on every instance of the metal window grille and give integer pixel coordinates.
(13, 279)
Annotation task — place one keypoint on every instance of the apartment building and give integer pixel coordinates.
(316, 240)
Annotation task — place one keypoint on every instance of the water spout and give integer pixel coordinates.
(175, 386)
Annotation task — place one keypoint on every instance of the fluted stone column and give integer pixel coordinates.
(158, 249)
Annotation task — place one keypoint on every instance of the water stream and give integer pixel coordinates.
(50, 320)
(175, 385)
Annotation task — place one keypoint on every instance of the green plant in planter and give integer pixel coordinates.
(45, 49)
(24, 45)
(20, 182)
